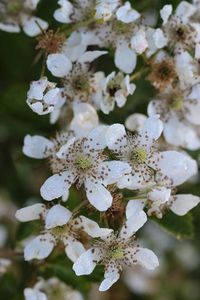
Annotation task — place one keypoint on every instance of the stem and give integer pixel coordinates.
(10, 254)
(138, 74)
(78, 207)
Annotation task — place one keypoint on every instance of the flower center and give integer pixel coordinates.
(59, 230)
(116, 253)
(138, 155)
(120, 27)
(181, 32)
(81, 83)
(83, 162)
(177, 103)
(14, 7)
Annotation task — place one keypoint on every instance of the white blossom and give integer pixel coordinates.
(116, 251)
(16, 14)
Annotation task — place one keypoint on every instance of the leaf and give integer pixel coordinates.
(180, 227)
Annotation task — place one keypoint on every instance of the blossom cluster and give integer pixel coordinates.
(145, 158)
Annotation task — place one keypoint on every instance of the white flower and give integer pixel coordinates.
(48, 288)
(126, 14)
(17, 14)
(59, 227)
(85, 119)
(179, 111)
(43, 97)
(63, 14)
(160, 198)
(146, 161)
(135, 122)
(180, 32)
(104, 9)
(116, 251)
(59, 64)
(116, 88)
(139, 42)
(82, 161)
(4, 265)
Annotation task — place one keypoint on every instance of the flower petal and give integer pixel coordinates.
(30, 213)
(183, 203)
(125, 58)
(132, 224)
(116, 136)
(40, 247)
(59, 64)
(91, 227)
(35, 146)
(111, 276)
(32, 25)
(86, 263)
(147, 258)
(34, 294)
(113, 170)
(73, 248)
(134, 207)
(56, 186)
(98, 195)
(177, 166)
(58, 215)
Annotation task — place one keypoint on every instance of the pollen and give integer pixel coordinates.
(14, 7)
(177, 103)
(138, 155)
(81, 83)
(83, 162)
(116, 253)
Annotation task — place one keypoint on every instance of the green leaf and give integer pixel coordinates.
(180, 227)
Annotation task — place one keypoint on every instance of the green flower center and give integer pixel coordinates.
(59, 230)
(138, 155)
(83, 162)
(120, 27)
(14, 7)
(81, 83)
(116, 253)
(177, 103)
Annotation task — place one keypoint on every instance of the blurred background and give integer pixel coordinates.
(176, 242)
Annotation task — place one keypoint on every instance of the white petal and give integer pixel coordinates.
(86, 263)
(59, 64)
(180, 134)
(91, 227)
(30, 213)
(35, 146)
(111, 276)
(159, 39)
(116, 136)
(37, 89)
(63, 14)
(133, 223)
(139, 42)
(40, 247)
(114, 170)
(166, 12)
(32, 25)
(147, 259)
(33, 294)
(159, 194)
(56, 186)
(185, 10)
(183, 203)
(135, 122)
(58, 215)
(85, 119)
(10, 27)
(134, 207)
(126, 14)
(153, 128)
(98, 195)
(73, 248)
(192, 105)
(177, 166)
(96, 138)
(125, 58)
(89, 56)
